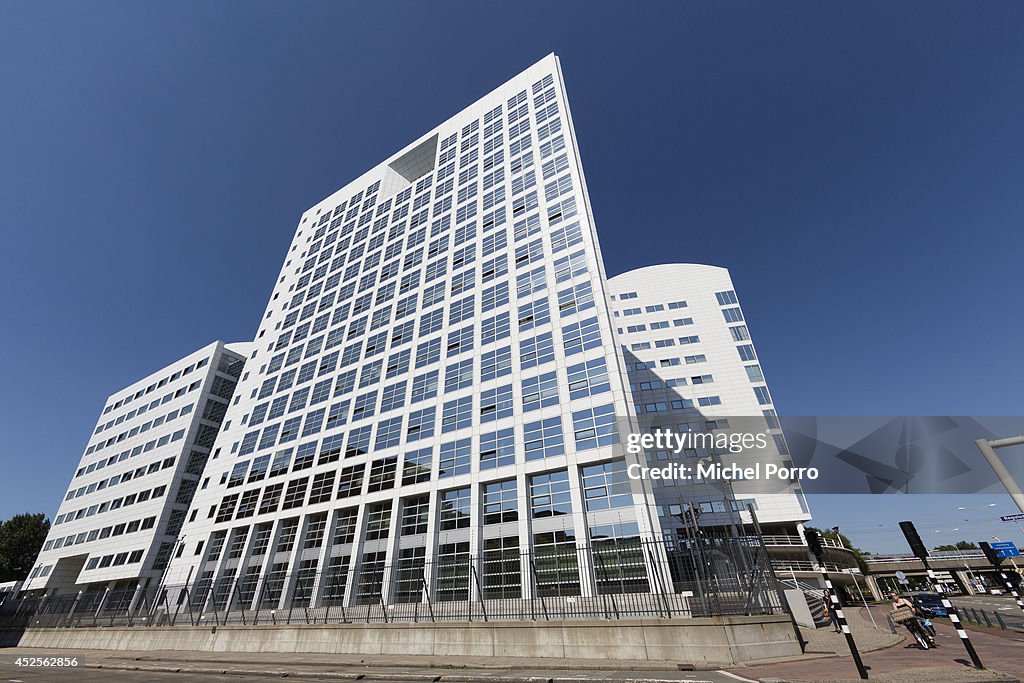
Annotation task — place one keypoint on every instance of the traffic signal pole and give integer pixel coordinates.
(814, 543)
(910, 532)
(996, 561)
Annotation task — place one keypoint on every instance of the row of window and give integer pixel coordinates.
(591, 428)
(141, 429)
(114, 504)
(571, 301)
(136, 430)
(115, 560)
(123, 477)
(492, 297)
(537, 351)
(604, 486)
(655, 325)
(150, 389)
(99, 534)
(664, 343)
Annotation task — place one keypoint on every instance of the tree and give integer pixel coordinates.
(21, 538)
(960, 545)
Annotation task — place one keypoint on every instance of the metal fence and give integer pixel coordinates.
(703, 576)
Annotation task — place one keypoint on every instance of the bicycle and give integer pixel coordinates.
(908, 618)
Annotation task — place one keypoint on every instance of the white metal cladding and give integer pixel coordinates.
(496, 242)
(130, 493)
(683, 323)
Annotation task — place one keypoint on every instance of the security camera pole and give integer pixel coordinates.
(814, 543)
(995, 559)
(917, 546)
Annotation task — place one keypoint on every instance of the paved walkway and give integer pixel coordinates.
(868, 637)
(904, 663)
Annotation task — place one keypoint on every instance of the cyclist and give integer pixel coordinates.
(922, 635)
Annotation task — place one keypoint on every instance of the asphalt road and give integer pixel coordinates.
(88, 675)
(10, 673)
(1005, 605)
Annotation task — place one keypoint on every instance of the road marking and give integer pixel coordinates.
(738, 678)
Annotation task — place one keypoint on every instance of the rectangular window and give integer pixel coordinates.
(595, 427)
(382, 474)
(606, 486)
(588, 378)
(496, 404)
(494, 329)
(424, 386)
(534, 314)
(540, 392)
(389, 433)
(549, 495)
(543, 439)
(455, 509)
(500, 503)
(417, 466)
(421, 424)
(537, 350)
(497, 363)
(497, 449)
(581, 336)
(455, 458)
(457, 414)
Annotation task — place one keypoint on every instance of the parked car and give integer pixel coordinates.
(932, 602)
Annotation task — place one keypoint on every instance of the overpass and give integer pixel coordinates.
(965, 571)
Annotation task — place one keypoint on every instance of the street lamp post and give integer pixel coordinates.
(988, 449)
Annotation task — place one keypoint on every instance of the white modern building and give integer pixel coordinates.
(693, 367)
(434, 405)
(124, 508)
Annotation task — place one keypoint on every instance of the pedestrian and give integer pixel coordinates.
(829, 611)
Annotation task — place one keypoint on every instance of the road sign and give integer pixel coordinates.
(902, 578)
(1006, 549)
(1013, 518)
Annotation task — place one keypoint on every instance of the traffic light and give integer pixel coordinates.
(916, 545)
(991, 553)
(814, 542)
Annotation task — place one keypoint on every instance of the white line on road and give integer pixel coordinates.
(738, 678)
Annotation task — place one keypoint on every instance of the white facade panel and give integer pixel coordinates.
(128, 498)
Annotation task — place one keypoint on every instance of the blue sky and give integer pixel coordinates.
(858, 167)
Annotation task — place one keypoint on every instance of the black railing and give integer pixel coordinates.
(703, 576)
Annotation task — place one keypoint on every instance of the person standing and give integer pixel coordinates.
(829, 611)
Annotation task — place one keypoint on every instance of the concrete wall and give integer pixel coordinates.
(702, 642)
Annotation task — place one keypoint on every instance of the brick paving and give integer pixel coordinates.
(903, 662)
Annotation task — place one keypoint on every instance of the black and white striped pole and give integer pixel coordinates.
(917, 546)
(814, 543)
(995, 559)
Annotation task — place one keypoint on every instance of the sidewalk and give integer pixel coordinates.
(903, 663)
(869, 638)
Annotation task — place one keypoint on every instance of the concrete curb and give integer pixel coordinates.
(384, 676)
